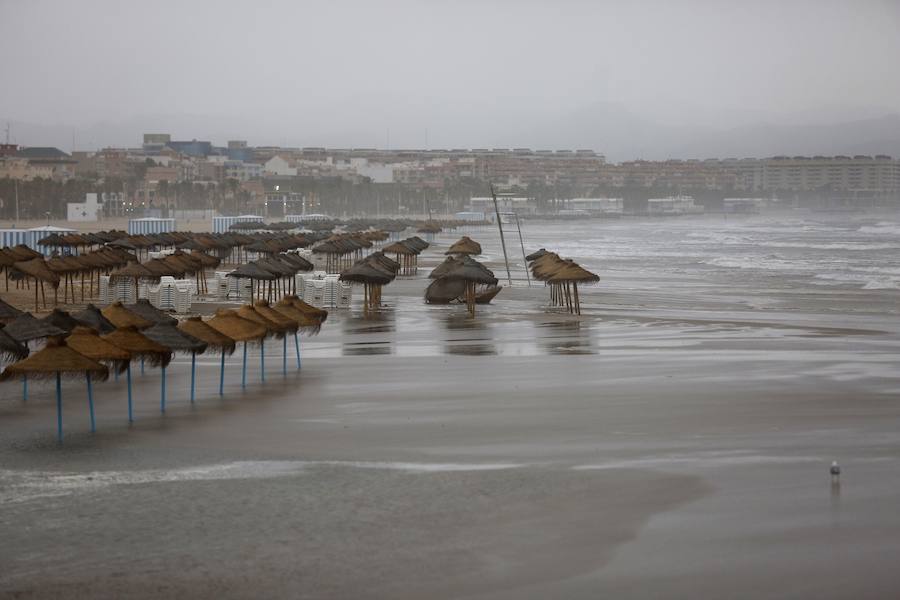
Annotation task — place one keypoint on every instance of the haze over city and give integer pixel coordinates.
(631, 80)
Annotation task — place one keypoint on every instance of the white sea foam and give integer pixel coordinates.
(882, 228)
(22, 486)
(700, 460)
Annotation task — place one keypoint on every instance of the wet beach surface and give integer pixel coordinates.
(672, 442)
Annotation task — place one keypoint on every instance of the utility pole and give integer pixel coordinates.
(502, 240)
(522, 244)
(17, 191)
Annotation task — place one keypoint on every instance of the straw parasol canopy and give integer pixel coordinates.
(61, 319)
(55, 358)
(215, 340)
(93, 318)
(536, 255)
(10, 348)
(229, 323)
(309, 317)
(120, 316)
(25, 328)
(144, 309)
(88, 342)
(8, 312)
(290, 324)
(171, 337)
(465, 245)
(573, 272)
(139, 346)
(277, 328)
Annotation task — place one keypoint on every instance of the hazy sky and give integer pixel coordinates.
(461, 72)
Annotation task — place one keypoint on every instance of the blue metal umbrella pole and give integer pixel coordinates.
(90, 390)
(297, 346)
(244, 368)
(128, 376)
(162, 392)
(222, 375)
(193, 371)
(262, 360)
(284, 357)
(24, 388)
(59, 434)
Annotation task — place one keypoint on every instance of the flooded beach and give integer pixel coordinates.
(673, 441)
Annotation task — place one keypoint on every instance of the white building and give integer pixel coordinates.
(87, 211)
(279, 166)
(673, 205)
(506, 204)
(596, 205)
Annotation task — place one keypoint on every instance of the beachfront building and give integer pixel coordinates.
(520, 205)
(87, 211)
(150, 225)
(673, 205)
(614, 206)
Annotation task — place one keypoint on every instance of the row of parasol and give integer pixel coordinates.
(563, 277)
(94, 342)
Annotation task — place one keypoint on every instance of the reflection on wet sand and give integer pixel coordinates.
(566, 337)
(368, 335)
(467, 336)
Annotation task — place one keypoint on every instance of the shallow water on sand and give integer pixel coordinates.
(674, 441)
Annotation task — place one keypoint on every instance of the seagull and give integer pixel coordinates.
(835, 470)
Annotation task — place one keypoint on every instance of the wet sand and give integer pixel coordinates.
(663, 445)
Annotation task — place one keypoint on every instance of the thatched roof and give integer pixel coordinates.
(250, 313)
(300, 263)
(25, 328)
(139, 346)
(8, 312)
(465, 268)
(10, 348)
(61, 319)
(93, 318)
(215, 340)
(206, 260)
(289, 323)
(37, 268)
(86, 341)
(465, 245)
(143, 308)
(252, 271)
(536, 255)
(444, 291)
(574, 272)
(400, 247)
(237, 328)
(55, 357)
(132, 271)
(171, 337)
(363, 272)
(120, 316)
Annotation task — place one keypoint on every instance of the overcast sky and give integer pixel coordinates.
(441, 73)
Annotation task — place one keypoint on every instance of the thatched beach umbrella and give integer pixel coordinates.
(93, 318)
(171, 337)
(215, 340)
(143, 308)
(37, 269)
(253, 272)
(290, 324)
(277, 327)
(229, 323)
(138, 346)
(468, 270)
(309, 317)
(62, 319)
(465, 245)
(573, 274)
(8, 312)
(118, 315)
(133, 271)
(57, 359)
(87, 342)
(373, 277)
(10, 348)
